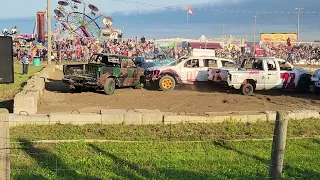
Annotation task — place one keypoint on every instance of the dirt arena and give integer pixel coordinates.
(187, 98)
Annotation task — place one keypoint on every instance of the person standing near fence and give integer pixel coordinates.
(25, 64)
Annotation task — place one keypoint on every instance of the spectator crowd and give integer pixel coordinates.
(297, 52)
(83, 49)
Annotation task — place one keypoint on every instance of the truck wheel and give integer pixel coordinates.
(167, 83)
(154, 84)
(109, 86)
(316, 89)
(303, 85)
(247, 89)
(141, 84)
(76, 89)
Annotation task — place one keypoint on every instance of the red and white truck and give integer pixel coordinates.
(262, 74)
(188, 71)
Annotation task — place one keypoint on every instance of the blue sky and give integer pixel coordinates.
(149, 18)
(107, 6)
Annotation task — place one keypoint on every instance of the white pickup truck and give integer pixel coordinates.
(266, 73)
(188, 71)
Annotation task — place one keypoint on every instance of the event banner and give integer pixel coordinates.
(40, 27)
(278, 37)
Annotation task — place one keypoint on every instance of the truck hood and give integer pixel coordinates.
(303, 71)
(160, 68)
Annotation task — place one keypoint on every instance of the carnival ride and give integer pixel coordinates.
(73, 21)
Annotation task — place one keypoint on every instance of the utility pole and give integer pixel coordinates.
(254, 31)
(49, 44)
(298, 22)
(222, 29)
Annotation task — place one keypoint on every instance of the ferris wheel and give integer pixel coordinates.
(73, 20)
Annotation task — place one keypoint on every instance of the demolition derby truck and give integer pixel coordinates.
(104, 72)
(263, 74)
(188, 71)
(316, 81)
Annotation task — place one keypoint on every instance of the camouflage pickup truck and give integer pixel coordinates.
(104, 72)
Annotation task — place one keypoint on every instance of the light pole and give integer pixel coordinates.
(49, 32)
(222, 30)
(254, 32)
(298, 22)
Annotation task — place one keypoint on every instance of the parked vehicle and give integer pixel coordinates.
(188, 71)
(268, 73)
(104, 71)
(316, 81)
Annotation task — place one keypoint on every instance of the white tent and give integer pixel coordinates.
(202, 38)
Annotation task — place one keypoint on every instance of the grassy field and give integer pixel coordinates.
(8, 91)
(182, 151)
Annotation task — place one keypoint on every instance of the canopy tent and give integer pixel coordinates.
(205, 45)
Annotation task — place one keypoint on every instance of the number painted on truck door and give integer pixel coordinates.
(288, 80)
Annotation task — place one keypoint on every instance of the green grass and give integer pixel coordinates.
(168, 160)
(177, 132)
(163, 151)
(8, 91)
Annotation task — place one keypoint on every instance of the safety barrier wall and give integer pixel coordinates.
(144, 117)
(27, 100)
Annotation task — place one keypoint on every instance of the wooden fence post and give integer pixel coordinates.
(278, 146)
(4, 145)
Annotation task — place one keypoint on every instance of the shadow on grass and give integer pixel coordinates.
(317, 141)
(121, 163)
(25, 176)
(136, 171)
(288, 170)
(48, 161)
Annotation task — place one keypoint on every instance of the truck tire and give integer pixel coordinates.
(141, 84)
(167, 83)
(247, 89)
(109, 86)
(76, 89)
(154, 84)
(303, 85)
(316, 89)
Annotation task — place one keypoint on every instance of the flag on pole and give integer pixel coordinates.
(189, 11)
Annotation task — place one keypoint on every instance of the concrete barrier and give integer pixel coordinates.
(112, 116)
(142, 116)
(151, 116)
(174, 119)
(303, 114)
(242, 116)
(271, 115)
(25, 119)
(45, 73)
(59, 67)
(131, 116)
(36, 84)
(75, 119)
(26, 101)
